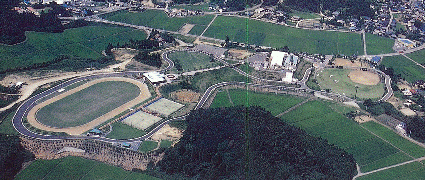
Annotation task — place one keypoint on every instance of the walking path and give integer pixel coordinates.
(294, 107)
(389, 167)
(413, 61)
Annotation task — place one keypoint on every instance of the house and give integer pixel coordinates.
(376, 60)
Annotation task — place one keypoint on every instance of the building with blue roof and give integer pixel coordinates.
(376, 60)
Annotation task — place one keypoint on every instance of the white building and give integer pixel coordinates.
(155, 77)
(276, 58)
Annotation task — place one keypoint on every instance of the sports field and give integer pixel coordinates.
(192, 60)
(84, 42)
(338, 81)
(141, 120)
(378, 45)
(268, 34)
(326, 120)
(124, 131)
(71, 168)
(157, 19)
(164, 106)
(406, 68)
(304, 15)
(88, 104)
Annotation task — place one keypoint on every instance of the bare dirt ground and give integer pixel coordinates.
(137, 66)
(167, 133)
(185, 96)
(186, 28)
(364, 77)
(148, 3)
(407, 112)
(363, 118)
(239, 54)
(395, 101)
(124, 55)
(144, 94)
(346, 62)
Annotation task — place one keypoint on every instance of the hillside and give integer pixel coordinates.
(250, 143)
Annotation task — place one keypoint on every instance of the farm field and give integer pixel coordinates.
(164, 106)
(304, 15)
(408, 71)
(274, 103)
(70, 168)
(147, 146)
(83, 42)
(268, 34)
(326, 120)
(338, 81)
(418, 56)
(124, 131)
(410, 171)
(378, 45)
(202, 7)
(156, 19)
(83, 106)
(192, 60)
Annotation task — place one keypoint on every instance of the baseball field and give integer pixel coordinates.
(89, 105)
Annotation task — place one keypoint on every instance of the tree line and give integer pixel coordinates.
(250, 143)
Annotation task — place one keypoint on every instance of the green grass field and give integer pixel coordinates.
(124, 131)
(147, 146)
(87, 104)
(165, 144)
(202, 81)
(408, 69)
(274, 103)
(71, 168)
(418, 56)
(192, 60)
(197, 29)
(378, 45)
(157, 19)
(326, 120)
(202, 7)
(268, 34)
(83, 42)
(410, 171)
(304, 15)
(341, 83)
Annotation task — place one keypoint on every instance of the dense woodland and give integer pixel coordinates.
(151, 59)
(13, 24)
(12, 156)
(416, 128)
(250, 143)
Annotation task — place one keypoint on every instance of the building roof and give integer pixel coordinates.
(376, 59)
(96, 131)
(277, 58)
(154, 77)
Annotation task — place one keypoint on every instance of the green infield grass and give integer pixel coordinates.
(268, 34)
(83, 42)
(378, 45)
(338, 81)
(88, 104)
(124, 131)
(157, 19)
(405, 67)
(192, 60)
(147, 146)
(70, 168)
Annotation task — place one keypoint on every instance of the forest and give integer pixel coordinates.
(12, 156)
(249, 143)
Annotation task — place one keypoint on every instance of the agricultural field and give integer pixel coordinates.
(83, 106)
(141, 120)
(124, 131)
(147, 146)
(268, 34)
(83, 42)
(70, 168)
(202, 7)
(338, 81)
(192, 60)
(418, 56)
(327, 120)
(304, 15)
(378, 45)
(156, 19)
(274, 103)
(164, 106)
(408, 71)
(414, 170)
